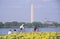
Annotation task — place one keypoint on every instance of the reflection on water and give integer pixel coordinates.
(5, 30)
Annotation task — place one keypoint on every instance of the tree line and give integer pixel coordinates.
(17, 24)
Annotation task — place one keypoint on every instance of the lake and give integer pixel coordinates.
(5, 30)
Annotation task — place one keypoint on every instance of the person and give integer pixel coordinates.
(35, 28)
(22, 28)
(14, 31)
(9, 32)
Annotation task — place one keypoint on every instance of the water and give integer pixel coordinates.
(5, 30)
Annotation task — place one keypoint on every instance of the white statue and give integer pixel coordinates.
(22, 27)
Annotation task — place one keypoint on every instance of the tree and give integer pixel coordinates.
(55, 24)
(14, 23)
(28, 25)
(1, 24)
(39, 24)
(7, 24)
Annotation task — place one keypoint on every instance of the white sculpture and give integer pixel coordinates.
(22, 26)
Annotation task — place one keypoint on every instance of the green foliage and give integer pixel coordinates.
(28, 24)
(37, 24)
(20, 23)
(55, 24)
(14, 23)
(1, 24)
(7, 24)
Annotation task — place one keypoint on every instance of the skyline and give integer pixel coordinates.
(20, 10)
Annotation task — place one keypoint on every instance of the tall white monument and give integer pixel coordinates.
(32, 13)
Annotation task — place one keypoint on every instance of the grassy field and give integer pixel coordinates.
(32, 35)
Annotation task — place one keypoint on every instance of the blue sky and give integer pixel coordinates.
(19, 10)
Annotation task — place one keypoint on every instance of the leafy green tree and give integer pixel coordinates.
(55, 24)
(20, 23)
(7, 24)
(39, 24)
(28, 24)
(1, 24)
(14, 23)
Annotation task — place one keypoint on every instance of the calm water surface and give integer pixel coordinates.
(5, 30)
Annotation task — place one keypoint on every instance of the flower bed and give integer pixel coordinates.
(32, 35)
